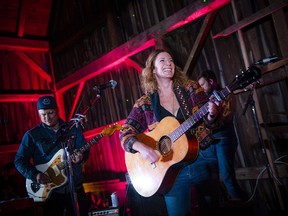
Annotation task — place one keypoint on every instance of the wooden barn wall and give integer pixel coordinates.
(119, 22)
(118, 25)
(16, 117)
(223, 55)
(17, 77)
(272, 96)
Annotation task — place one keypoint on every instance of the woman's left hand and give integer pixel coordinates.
(213, 109)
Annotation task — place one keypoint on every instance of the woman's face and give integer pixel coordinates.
(164, 66)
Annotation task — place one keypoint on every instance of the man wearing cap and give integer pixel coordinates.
(40, 144)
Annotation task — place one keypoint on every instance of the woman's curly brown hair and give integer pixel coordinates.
(149, 82)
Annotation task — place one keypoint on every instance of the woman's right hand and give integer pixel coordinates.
(147, 152)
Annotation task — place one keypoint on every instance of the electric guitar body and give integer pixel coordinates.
(55, 168)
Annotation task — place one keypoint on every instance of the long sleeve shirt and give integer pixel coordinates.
(35, 149)
(145, 115)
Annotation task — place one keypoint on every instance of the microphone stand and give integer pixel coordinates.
(251, 102)
(67, 146)
(70, 174)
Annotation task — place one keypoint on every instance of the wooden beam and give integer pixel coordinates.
(278, 19)
(197, 47)
(11, 148)
(140, 42)
(77, 98)
(22, 16)
(270, 67)
(104, 63)
(89, 135)
(247, 173)
(134, 65)
(22, 97)
(264, 70)
(253, 18)
(34, 66)
(9, 43)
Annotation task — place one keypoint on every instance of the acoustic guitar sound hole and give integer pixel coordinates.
(164, 145)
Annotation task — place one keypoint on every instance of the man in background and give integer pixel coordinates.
(226, 140)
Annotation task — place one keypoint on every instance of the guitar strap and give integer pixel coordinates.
(61, 138)
(185, 107)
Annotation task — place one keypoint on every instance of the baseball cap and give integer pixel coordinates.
(46, 102)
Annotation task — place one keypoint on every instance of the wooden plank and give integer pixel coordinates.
(270, 67)
(24, 97)
(256, 172)
(11, 148)
(21, 18)
(77, 98)
(140, 42)
(253, 18)
(197, 47)
(9, 43)
(134, 65)
(104, 63)
(278, 20)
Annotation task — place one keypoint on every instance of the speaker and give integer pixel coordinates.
(109, 211)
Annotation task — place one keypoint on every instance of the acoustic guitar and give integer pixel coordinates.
(55, 168)
(176, 149)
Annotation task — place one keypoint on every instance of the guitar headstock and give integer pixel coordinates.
(251, 75)
(110, 130)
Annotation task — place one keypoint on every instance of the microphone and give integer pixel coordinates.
(266, 60)
(111, 84)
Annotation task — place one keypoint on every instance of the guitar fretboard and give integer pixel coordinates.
(196, 117)
(88, 145)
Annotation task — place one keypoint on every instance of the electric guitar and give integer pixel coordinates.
(175, 148)
(55, 168)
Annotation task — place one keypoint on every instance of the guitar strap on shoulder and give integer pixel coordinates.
(185, 106)
(61, 138)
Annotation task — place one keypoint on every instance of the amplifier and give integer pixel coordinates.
(108, 211)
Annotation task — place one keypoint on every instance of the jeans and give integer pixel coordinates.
(225, 149)
(202, 177)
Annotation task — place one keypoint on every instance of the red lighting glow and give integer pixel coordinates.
(209, 8)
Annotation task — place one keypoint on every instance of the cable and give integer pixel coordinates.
(276, 161)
